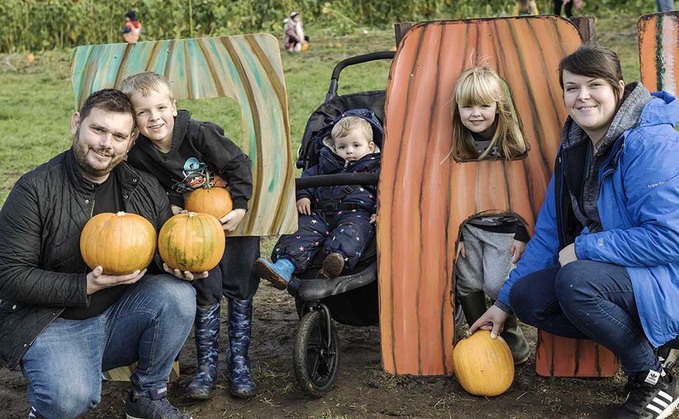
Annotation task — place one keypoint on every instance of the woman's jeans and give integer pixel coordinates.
(148, 324)
(587, 300)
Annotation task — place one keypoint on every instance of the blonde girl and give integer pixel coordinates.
(481, 88)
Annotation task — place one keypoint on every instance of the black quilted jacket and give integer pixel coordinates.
(41, 270)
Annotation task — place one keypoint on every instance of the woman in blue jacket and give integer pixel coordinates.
(604, 261)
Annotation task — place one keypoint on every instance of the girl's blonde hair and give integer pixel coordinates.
(480, 86)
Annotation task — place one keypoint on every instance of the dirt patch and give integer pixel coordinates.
(363, 389)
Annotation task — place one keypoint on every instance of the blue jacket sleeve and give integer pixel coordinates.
(542, 249)
(639, 206)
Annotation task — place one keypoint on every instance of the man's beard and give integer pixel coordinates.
(81, 151)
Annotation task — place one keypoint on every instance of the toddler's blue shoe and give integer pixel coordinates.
(279, 273)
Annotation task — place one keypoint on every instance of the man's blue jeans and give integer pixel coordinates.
(148, 324)
(587, 300)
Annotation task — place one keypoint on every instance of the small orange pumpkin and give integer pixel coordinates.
(121, 243)
(214, 201)
(483, 366)
(192, 242)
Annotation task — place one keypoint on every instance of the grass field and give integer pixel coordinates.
(37, 99)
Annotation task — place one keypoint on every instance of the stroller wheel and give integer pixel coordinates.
(316, 353)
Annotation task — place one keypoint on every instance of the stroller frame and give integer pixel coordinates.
(319, 301)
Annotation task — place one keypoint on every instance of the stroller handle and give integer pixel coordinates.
(358, 59)
(337, 179)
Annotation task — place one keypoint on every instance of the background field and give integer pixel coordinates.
(35, 106)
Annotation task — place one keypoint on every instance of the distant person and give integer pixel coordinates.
(64, 323)
(567, 5)
(338, 220)
(525, 8)
(295, 40)
(664, 5)
(132, 28)
(184, 154)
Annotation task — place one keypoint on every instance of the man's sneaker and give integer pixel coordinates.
(154, 407)
(654, 396)
(333, 264)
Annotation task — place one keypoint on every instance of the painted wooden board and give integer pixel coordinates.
(424, 194)
(562, 357)
(247, 69)
(659, 51)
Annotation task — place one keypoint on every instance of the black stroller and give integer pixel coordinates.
(350, 299)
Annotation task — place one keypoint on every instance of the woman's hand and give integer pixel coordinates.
(231, 220)
(493, 319)
(516, 250)
(567, 255)
(185, 275)
(304, 206)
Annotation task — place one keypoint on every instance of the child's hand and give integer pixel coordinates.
(373, 219)
(516, 250)
(176, 210)
(231, 220)
(304, 206)
(460, 250)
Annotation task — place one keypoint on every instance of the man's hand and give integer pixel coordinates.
(493, 319)
(185, 275)
(231, 220)
(304, 206)
(567, 255)
(97, 280)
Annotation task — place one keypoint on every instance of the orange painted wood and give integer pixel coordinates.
(424, 194)
(659, 51)
(562, 357)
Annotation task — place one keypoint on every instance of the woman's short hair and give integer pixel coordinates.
(596, 61)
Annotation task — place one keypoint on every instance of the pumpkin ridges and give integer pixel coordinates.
(192, 242)
(483, 366)
(121, 243)
(215, 201)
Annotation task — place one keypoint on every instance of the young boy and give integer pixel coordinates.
(182, 153)
(338, 219)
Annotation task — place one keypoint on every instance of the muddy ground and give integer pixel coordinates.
(363, 389)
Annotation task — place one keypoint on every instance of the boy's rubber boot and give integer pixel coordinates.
(516, 340)
(207, 352)
(473, 306)
(240, 329)
(279, 273)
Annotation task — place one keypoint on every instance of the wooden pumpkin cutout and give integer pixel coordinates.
(425, 195)
(659, 51)
(245, 68)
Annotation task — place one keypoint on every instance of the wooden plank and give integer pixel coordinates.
(124, 373)
(658, 34)
(247, 69)
(425, 195)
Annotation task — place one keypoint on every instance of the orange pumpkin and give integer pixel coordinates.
(483, 366)
(121, 243)
(191, 242)
(214, 201)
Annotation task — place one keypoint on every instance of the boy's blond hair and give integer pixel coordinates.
(145, 83)
(348, 124)
(480, 86)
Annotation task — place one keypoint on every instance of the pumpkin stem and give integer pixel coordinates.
(120, 213)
